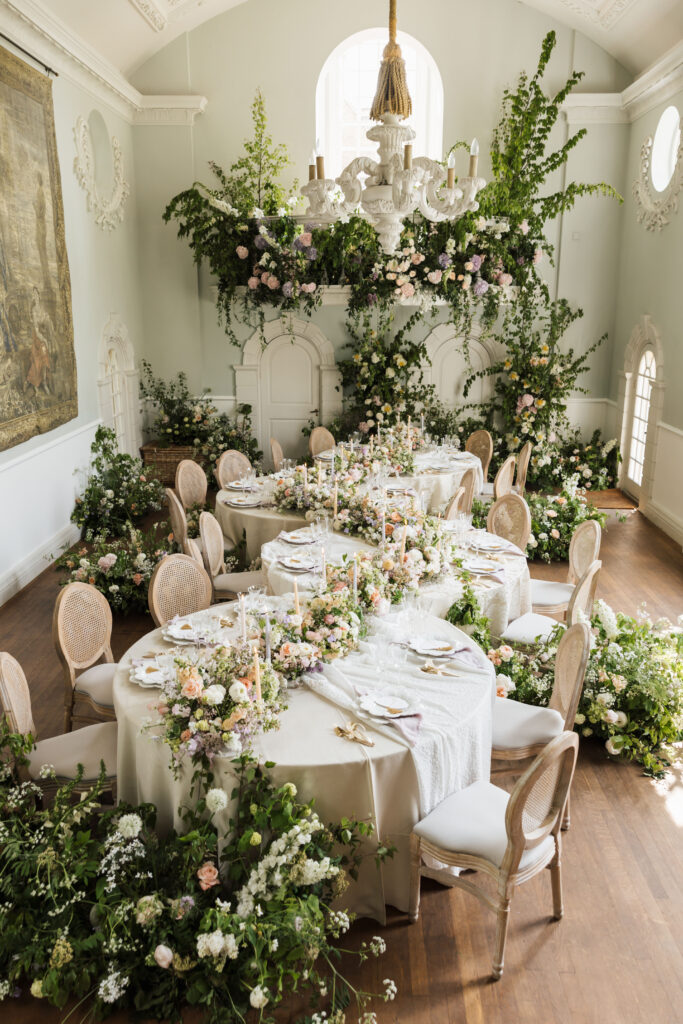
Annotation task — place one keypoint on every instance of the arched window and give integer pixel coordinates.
(642, 396)
(346, 89)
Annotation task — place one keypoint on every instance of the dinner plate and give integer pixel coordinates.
(148, 675)
(384, 705)
(490, 544)
(300, 537)
(235, 485)
(434, 647)
(480, 566)
(295, 564)
(326, 456)
(460, 456)
(243, 501)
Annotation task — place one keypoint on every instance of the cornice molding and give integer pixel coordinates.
(595, 108)
(151, 12)
(31, 25)
(656, 85)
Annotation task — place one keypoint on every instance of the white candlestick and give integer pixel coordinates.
(422, 422)
(305, 478)
(355, 580)
(474, 158)
(336, 498)
(257, 674)
(384, 527)
(297, 606)
(243, 617)
(320, 474)
(268, 654)
(403, 543)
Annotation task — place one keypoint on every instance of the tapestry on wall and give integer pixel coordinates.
(37, 361)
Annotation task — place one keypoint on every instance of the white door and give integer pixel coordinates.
(290, 393)
(640, 408)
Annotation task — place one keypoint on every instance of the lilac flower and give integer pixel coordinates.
(476, 262)
(311, 252)
(288, 289)
(444, 260)
(480, 287)
(260, 242)
(520, 261)
(372, 298)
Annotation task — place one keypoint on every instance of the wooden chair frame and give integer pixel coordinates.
(191, 485)
(502, 484)
(522, 468)
(562, 749)
(480, 443)
(202, 581)
(516, 501)
(320, 441)
(277, 454)
(93, 712)
(576, 570)
(178, 518)
(454, 506)
(230, 466)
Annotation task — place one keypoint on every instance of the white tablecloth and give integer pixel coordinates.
(501, 600)
(260, 525)
(377, 784)
(439, 487)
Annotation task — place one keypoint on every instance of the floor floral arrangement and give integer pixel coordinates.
(97, 907)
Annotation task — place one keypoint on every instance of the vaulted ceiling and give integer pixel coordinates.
(127, 32)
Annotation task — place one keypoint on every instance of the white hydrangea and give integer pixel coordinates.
(217, 944)
(216, 800)
(238, 692)
(258, 997)
(130, 825)
(214, 694)
(608, 619)
(112, 986)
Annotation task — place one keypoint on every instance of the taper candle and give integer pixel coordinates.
(267, 632)
(311, 167)
(355, 579)
(305, 478)
(320, 473)
(243, 617)
(384, 526)
(407, 157)
(336, 498)
(403, 543)
(451, 170)
(257, 674)
(474, 158)
(297, 606)
(320, 167)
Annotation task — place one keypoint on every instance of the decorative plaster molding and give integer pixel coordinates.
(601, 12)
(595, 108)
(656, 208)
(151, 12)
(656, 85)
(179, 110)
(108, 210)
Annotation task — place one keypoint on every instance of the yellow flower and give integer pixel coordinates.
(508, 364)
(545, 349)
(514, 376)
(540, 402)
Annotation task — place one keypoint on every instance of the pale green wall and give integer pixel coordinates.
(651, 278)
(281, 47)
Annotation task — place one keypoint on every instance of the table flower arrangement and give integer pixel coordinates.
(295, 493)
(393, 453)
(633, 692)
(322, 629)
(216, 701)
(229, 916)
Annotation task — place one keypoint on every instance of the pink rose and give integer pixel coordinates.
(555, 534)
(339, 586)
(538, 255)
(107, 561)
(434, 276)
(309, 288)
(329, 619)
(273, 283)
(242, 252)
(253, 283)
(504, 280)
(207, 875)
(524, 227)
(163, 956)
(407, 290)
(192, 684)
(305, 239)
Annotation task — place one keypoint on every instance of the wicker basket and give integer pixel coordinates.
(163, 462)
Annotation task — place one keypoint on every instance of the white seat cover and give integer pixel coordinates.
(521, 725)
(86, 746)
(473, 821)
(550, 593)
(97, 683)
(238, 582)
(527, 628)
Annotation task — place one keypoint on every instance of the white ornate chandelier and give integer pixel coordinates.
(396, 184)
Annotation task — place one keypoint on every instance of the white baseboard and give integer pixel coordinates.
(670, 524)
(21, 574)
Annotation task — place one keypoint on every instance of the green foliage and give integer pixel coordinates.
(466, 612)
(121, 568)
(633, 691)
(117, 491)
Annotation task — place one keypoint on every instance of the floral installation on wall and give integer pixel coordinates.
(232, 915)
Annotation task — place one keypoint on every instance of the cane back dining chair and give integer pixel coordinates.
(455, 505)
(178, 587)
(508, 837)
(321, 440)
(231, 466)
(509, 517)
(277, 454)
(191, 484)
(226, 585)
(502, 483)
(469, 482)
(176, 514)
(522, 468)
(551, 597)
(87, 746)
(480, 443)
(81, 634)
(529, 628)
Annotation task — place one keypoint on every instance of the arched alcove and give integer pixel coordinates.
(640, 404)
(288, 376)
(450, 367)
(117, 385)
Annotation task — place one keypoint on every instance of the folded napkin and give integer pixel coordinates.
(356, 732)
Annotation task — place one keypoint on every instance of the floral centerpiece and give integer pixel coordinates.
(300, 492)
(216, 701)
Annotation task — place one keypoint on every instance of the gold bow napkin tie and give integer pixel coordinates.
(356, 732)
(435, 670)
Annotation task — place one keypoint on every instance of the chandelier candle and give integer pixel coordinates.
(257, 674)
(451, 171)
(320, 167)
(311, 167)
(474, 158)
(408, 157)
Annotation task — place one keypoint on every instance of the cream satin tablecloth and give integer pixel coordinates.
(260, 525)
(377, 784)
(439, 487)
(501, 601)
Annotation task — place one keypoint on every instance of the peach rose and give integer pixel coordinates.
(207, 875)
(555, 534)
(193, 686)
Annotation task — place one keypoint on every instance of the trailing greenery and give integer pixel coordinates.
(117, 491)
(633, 692)
(232, 913)
(182, 419)
(120, 568)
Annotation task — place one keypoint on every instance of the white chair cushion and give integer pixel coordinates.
(487, 489)
(238, 582)
(473, 821)
(527, 628)
(96, 682)
(548, 593)
(86, 746)
(521, 725)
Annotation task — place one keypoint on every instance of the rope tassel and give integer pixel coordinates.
(392, 96)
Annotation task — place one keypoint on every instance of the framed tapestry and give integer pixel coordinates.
(37, 362)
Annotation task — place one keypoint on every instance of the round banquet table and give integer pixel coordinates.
(437, 477)
(391, 784)
(502, 598)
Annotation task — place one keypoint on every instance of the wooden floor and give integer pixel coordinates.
(615, 958)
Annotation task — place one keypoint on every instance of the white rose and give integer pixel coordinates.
(238, 693)
(258, 997)
(579, 719)
(216, 800)
(163, 956)
(621, 719)
(129, 825)
(215, 693)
